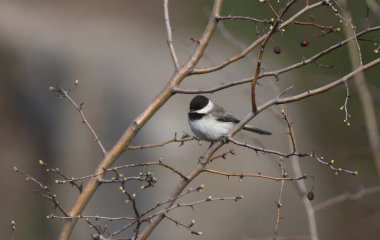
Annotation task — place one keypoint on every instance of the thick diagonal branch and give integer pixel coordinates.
(141, 120)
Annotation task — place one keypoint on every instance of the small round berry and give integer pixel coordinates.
(310, 196)
(277, 50)
(304, 43)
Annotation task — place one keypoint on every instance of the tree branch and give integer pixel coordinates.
(65, 93)
(256, 43)
(276, 73)
(140, 121)
(169, 35)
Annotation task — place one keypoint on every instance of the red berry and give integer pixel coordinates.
(304, 43)
(277, 50)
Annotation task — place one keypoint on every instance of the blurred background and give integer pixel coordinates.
(118, 52)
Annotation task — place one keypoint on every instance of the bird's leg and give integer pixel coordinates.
(200, 160)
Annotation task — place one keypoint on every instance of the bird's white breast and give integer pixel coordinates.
(209, 129)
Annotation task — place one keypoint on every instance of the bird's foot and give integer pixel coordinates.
(224, 139)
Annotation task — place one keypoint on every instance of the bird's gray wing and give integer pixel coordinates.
(226, 118)
(223, 117)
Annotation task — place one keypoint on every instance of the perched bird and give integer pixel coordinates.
(211, 123)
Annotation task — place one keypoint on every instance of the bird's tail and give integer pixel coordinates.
(256, 130)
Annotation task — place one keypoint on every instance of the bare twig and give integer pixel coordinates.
(169, 35)
(346, 196)
(266, 21)
(348, 19)
(190, 190)
(65, 93)
(192, 204)
(184, 138)
(290, 132)
(223, 155)
(326, 87)
(316, 25)
(91, 217)
(187, 226)
(301, 186)
(272, 9)
(180, 187)
(46, 193)
(148, 211)
(345, 105)
(321, 160)
(116, 168)
(132, 198)
(364, 95)
(254, 175)
(59, 173)
(256, 43)
(165, 211)
(261, 52)
(276, 73)
(279, 201)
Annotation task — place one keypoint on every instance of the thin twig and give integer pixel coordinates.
(229, 17)
(59, 173)
(279, 200)
(46, 193)
(192, 204)
(184, 138)
(169, 36)
(223, 155)
(364, 95)
(323, 88)
(65, 93)
(345, 105)
(150, 210)
(276, 73)
(132, 198)
(147, 164)
(272, 9)
(320, 160)
(190, 190)
(91, 217)
(268, 36)
(256, 43)
(316, 25)
(301, 185)
(346, 196)
(178, 223)
(290, 132)
(165, 211)
(254, 175)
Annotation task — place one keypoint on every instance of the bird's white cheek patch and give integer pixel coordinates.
(206, 109)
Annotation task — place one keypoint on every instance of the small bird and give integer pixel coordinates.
(210, 122)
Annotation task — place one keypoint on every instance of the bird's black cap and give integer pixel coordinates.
(198, 102)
